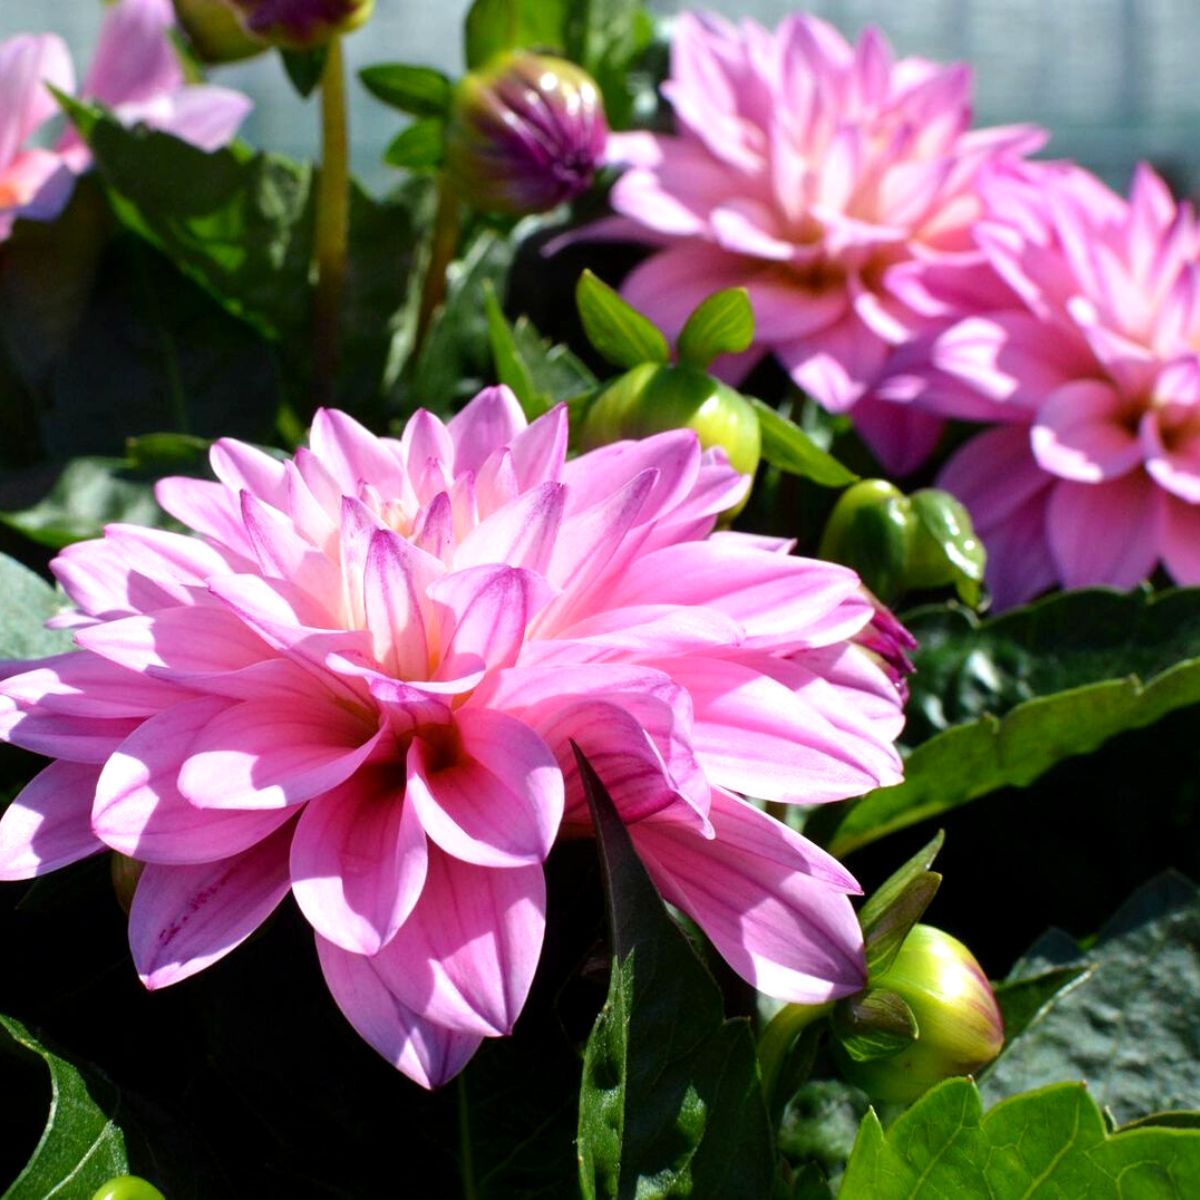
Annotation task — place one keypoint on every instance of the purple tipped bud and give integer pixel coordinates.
(526, 134)
(301, 24)
(959, 1026)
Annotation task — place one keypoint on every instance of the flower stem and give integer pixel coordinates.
(779, 1037)
(443, 249)
(465, 1159)
(333, 220)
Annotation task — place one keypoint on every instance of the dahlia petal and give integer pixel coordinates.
(27, 64)
(499, 799)
(61, 735)
(48, 824)
(396, 578)
(539, 452)
(208, 508)
(467, 955)
(98, 579)
(994, 474)
(244, 468)
(901, 436)
(521, 533)
(1080, 433)
(1181, 540)
(284, 554)
(84, 685)
(264, 755)
(772, 903)
(185, 918)
(134, 59)
(140, 811)
(493, 418)
(428, 1053)
(1105, 532)
(358, 862)
(353, 455)
(206, 116)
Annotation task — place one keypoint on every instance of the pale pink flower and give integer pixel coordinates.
(360, 683)
(830, 180)
(1091, 365)
(135, 72)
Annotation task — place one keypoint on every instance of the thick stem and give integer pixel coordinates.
(442, 253)
(779, 1037)
(333, 221)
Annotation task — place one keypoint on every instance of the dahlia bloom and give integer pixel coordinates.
(1091, 367)
(832, 181)
(135, 72)
(360, 681)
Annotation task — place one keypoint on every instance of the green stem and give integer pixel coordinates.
(443, 249)
(466, 1161)
(333, 222)
(779, 1037)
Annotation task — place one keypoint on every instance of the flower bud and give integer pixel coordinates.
(128, 1187)
(213, 31)
(871, 530)
(526, 133)
(959, 1026)
(652, 398)
(300, 24)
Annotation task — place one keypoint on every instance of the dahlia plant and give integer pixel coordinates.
(499, 688)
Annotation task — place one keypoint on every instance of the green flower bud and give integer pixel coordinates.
(128, 1187)
(301, 24)
(959, 1028)
(526, 133)
(214, 33)
(652, 398)
(871, 529)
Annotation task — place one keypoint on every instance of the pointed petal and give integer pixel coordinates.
(493, 418)
(1105, 532)
(48, 825)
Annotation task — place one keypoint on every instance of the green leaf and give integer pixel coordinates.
(615, 328)
(722, 324)
(1041, 1145)
(1031, 688)
(421, 91)
(417, 148)
(241, 225)
(875, 1023)
(82, 1145)
(896, 884)
(304, 68)
(494, 26)
(671, 1103)
(786, 446)
(1024, 1001)
(1127, 1027)
(607, 38)
(945, 539)
(89, 494)
(897, 905)
(29, 601)
(168, 453)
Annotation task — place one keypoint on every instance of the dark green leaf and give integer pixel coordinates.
(606, 39)
(304, 68)
(786, 446)
(90, 493)
(168, 453)
(1044, 1144)
(671, 1103)
(1032, 687)
(896, 884)
(1024, 1001)
(1128, 1027)
(494, 26)
(83, 1145)
(1187, 1119)
(875, 1023)
(28, 602)
(887, 932)
(421, 91)
(417, 148)
(239, 224)
(722, 324)
(944, 534)
(510, 365)
(820, 1123)
(617, 330)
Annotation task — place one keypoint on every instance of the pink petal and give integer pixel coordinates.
(208, 508)
(1082, 433)
(27, 64)
(60, 735)
(467, 955)
(208, 117)
(496, 799)
(84, 685)
(772, 902)
(358, 861)
(354, 455)
(48, 824)
(522, 533)
(1181, 540)
(426, 1052)
(184, 918)
(396, 579)
(492, 419)
(134, 59)
(994, 474)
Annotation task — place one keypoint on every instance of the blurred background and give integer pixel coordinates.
(1114, 80)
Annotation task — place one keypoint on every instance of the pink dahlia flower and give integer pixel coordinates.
(135, 72)
(360, 682)
(1090, 364)
(830, 180)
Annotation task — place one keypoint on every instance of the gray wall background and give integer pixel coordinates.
(1114, 80)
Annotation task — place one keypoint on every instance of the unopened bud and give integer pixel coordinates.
(128, 1187)
(959, 1028)
(652, 398)
(300, 24)
(214, 33)
(526, 134)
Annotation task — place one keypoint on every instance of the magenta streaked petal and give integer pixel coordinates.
(428, 1053)
(48, 824)
(493, 418)
(185, 918)
(522, 533)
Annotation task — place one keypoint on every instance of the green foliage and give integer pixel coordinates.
(721, 324)
(897, 905)
(1040, 1145)
(418, 147)
(83, 1145)
(607, 37)
(304, 68)
(786, 446)
(1126, 1025)
(671, 1103)
(28, 602)
(615, 328)
(494, 26)
(1012, 696)
(420, 91)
